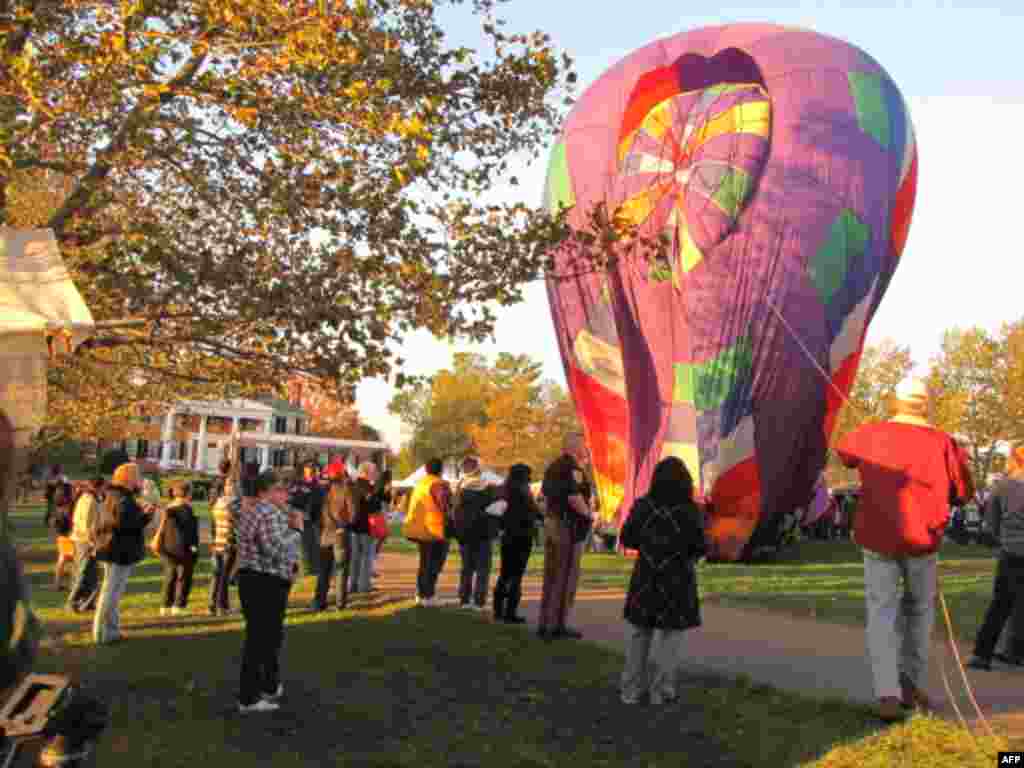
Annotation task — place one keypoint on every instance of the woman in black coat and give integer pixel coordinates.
(179, 550)
(519, 515)
(667, 530)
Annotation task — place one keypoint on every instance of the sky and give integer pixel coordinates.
(958, 66)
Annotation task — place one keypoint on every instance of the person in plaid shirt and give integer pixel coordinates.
(269, 537)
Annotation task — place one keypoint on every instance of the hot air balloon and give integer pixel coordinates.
(778, 166)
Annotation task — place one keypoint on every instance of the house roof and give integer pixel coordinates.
(261, 404)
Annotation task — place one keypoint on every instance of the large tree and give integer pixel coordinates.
(454, 399)
(270, 186)
(1014, 339)
(329, 416)
(976, 381)
(503, 412)
(881, 369)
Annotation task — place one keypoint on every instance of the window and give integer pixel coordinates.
(141, 449)
(298, 426)
(280, 425)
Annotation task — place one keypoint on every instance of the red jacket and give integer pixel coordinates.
(909, 476)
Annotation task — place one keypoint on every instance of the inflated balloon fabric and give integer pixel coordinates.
(780, 165)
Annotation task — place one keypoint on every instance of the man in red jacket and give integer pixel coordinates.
(910, 473)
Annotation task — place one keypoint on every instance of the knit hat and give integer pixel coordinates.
(1015, 461)
(127, 475)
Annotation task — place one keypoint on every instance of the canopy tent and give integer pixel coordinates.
(361, 448)
(39, 306)
(412, 479)
(488, 475)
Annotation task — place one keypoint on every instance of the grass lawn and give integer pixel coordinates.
(391, 685)
(822, 579)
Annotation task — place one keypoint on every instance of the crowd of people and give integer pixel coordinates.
(262, 528)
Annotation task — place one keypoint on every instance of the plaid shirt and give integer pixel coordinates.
(266, 543)
(225, 514)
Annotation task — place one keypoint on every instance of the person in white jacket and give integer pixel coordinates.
(85, 584)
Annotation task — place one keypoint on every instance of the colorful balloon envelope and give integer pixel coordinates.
(778, 168)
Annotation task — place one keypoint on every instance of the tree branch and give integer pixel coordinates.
(99, 171)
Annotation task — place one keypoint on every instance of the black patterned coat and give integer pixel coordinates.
(663, 588)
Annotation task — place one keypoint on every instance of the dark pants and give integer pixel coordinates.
(51, 506)
(474, 580)
(432, 557)
(264, 599)
(515, 554)
(311, 547)
(223, 563)
(339, 558)
(1007, 602)
(177, 581)
(85, 586)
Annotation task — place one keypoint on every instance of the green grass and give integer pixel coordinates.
(391, 685)
(817, 579)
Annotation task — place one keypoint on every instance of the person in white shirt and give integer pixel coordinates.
(85, 580)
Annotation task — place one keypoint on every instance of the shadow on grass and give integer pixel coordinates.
(423, 687)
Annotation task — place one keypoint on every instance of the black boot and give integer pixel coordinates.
(511, 606)
(499, 603)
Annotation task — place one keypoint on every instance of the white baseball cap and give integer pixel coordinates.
(912, 390)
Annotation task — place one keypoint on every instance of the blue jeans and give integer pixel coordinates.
(363, 546)
(476, 571)
(106, 625)
(219, 582)
(433, 555)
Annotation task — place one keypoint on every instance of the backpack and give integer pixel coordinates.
(106, 522)
(340, 504)
(470, 514)
(65, 499)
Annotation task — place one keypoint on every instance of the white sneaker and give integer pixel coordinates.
(260, 706)
(176, 611)
(165, 611)
(630, 699)
(275, 696)
(419, 600)
(465, 606)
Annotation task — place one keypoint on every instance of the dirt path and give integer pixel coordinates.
(802, 655)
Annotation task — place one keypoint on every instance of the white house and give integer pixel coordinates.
(195, 435)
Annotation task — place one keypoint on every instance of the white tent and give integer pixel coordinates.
(489, 476)
(37, 299)
(412, 479)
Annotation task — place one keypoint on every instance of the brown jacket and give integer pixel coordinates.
(338, 512)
